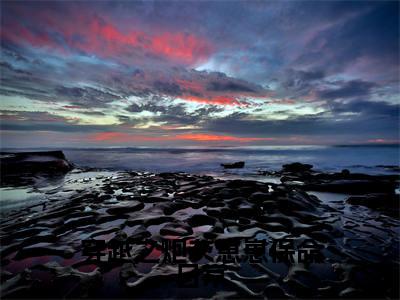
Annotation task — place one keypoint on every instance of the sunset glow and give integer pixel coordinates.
(125, 137)
(97, 73)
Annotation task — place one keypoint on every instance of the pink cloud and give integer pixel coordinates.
(82, 30)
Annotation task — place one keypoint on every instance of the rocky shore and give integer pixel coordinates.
(19, 168)
(356, 233)
(374, 191)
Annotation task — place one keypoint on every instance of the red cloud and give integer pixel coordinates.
(108, 136)
(105, 38)
(200, 87)
(183, 47)
(77, 29)
(83, 31)
(190, 85)
(197, 87)
(92, 34)
(118, 137)
(220, 100)
(211, 137)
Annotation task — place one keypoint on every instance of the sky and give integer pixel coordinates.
(177, 73)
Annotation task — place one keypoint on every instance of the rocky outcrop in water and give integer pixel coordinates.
(235, 165)
(373, 191)
(17, 165)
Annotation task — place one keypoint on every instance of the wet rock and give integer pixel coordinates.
(176, 229)
(74, 223)
(235, 165)
(274, 227)
(148, 220)
(84, 282)
(386, 202)
(297, 167)
(125, 207)
(277, 218)
(23, 234)
(17, 284)
(299, 289)
(176, 205)
(321, 236)
(200, 220)
(247, 210)
(351, 293)
(14, 164)
(128, 270)
(103, 231)
(226, 193)
(5, 275)
(301, 274)
(170, 208)
(235, 202)
(158, 273)
(247, 233)
(345, 172)
(257, 197)
(274, 291)
(43, 249)
(302, 176)
(104, 197)
(140, 234)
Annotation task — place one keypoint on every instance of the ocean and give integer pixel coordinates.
(363, 159)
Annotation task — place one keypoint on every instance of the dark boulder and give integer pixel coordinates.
(235, 165)
(21, 168)
(34, 162)
(296, 167)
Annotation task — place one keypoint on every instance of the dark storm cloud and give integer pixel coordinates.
(43, 121)
(135, 108)
(86, 96)
(299, 82)
(367, 108)
(369, 119)
(362, 36)
(56, 127)
(309, 126)
(168, 88)
(229, 87)
(310, 75)
(97, 86)
(354, 88)
(151, 107)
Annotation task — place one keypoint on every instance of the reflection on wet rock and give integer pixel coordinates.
(42, 249)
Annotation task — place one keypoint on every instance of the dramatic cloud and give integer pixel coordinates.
(90, 33)
(171, 73)
(348, 89)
